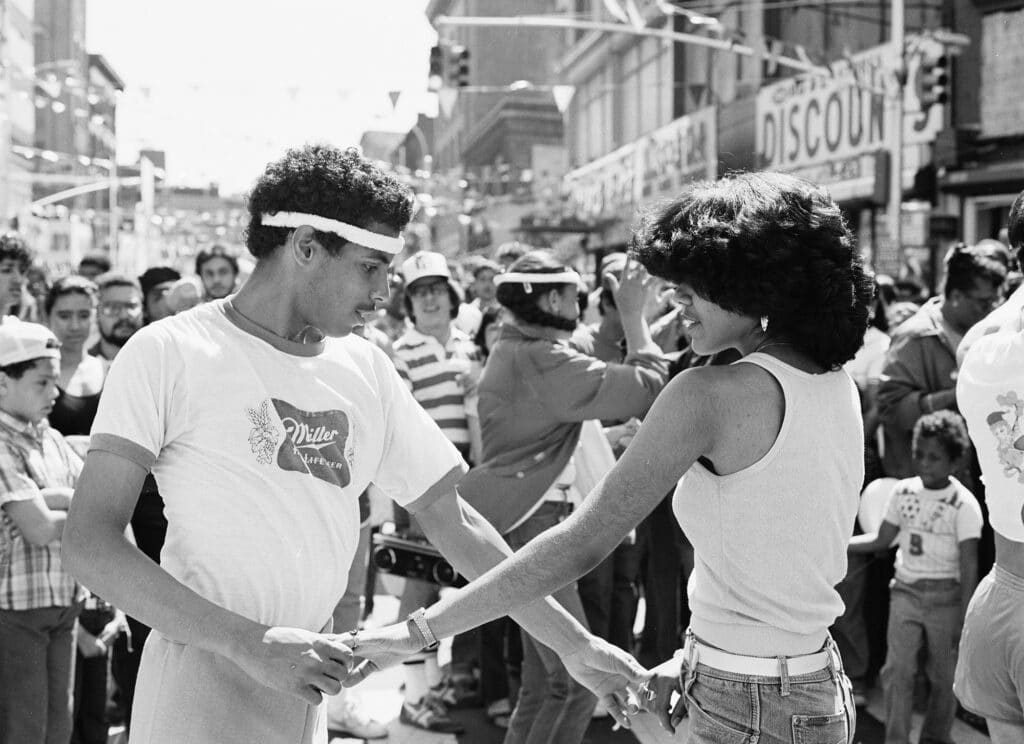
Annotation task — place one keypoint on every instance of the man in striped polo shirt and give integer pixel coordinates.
(441, 364)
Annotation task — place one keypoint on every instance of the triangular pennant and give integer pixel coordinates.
(394, 95)
(563, 96)
(636, 18)
(613, 7)
(446, 98)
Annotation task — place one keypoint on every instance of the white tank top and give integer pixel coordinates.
(770, 540)
(990, 395)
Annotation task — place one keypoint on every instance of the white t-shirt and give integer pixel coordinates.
(933, 523)
(866, 365)
(990, 395)
(261, 455)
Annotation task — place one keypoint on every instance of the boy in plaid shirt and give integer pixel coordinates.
(39, 601)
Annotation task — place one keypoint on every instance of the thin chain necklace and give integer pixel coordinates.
(307, 335)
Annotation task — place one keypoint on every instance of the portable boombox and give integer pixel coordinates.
(414, 558)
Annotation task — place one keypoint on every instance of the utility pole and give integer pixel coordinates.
(896, 160)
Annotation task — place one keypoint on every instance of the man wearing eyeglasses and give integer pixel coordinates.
(440, 365)
(120, 313)
(920, 369)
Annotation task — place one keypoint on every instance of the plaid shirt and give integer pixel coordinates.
(32, 457)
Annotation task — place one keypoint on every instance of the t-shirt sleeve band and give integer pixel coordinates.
(445, 485)
(124, 448)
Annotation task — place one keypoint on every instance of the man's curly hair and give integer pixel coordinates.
(328, 182)
(14, 248)
(947, 428)
(766, 245)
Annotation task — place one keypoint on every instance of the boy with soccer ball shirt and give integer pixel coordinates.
(938, 523)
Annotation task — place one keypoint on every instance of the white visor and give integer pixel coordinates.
(351, 233)
(515, 277)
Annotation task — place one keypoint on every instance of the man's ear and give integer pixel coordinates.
(304, 245)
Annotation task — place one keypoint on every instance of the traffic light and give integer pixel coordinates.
(435, 78)
(458, 72)
(933, 81)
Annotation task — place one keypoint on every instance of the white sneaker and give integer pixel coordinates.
(350, 720)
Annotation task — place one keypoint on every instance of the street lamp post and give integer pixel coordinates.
(896, 159)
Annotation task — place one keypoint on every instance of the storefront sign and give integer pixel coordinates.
(654, 167)
(678, 153)
(826, 127)
(606, 186)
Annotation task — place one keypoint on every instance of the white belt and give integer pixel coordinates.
(760, 666)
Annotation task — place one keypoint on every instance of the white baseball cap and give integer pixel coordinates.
(425, 264)
(21, 341)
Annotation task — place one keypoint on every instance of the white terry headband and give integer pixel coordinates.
(527, 279)
(351, 233)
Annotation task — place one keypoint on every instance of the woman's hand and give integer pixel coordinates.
(656, 695)
(296, 661)
(378, 649)
(630, 292)
(608, 672)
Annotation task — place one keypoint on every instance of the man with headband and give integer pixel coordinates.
(990, 394)
(263, 418)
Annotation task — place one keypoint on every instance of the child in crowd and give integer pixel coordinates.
(938, 522)
(39, 601)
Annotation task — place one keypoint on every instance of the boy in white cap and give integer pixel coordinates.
(263, 417)
(39, 600)
(440, 364)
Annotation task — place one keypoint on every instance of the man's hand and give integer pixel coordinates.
(89, 645)
(296, 661)
(663, 684)
(114, 628)
(608, 672)
(57, 498)
(378, 649)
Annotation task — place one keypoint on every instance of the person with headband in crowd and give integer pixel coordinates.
(263, 417)
(768, 456)
(534, 395)
(990, 394)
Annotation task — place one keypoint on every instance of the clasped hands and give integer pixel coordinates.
(613, 675)
(308, 665)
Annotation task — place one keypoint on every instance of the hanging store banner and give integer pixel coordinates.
(653, 167)
(605, 187)
(824, 127)
(683, 151)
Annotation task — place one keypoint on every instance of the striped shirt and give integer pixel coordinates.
(433, 373)
(32, 457)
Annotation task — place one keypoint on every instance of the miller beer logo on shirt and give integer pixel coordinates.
(315, 442)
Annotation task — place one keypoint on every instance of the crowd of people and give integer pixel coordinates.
(703, 425)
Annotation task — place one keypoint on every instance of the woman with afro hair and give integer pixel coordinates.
(765, 455)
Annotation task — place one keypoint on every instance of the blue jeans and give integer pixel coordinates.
(36, 669)
(728, 708)
(925, 613)
(553, 708)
